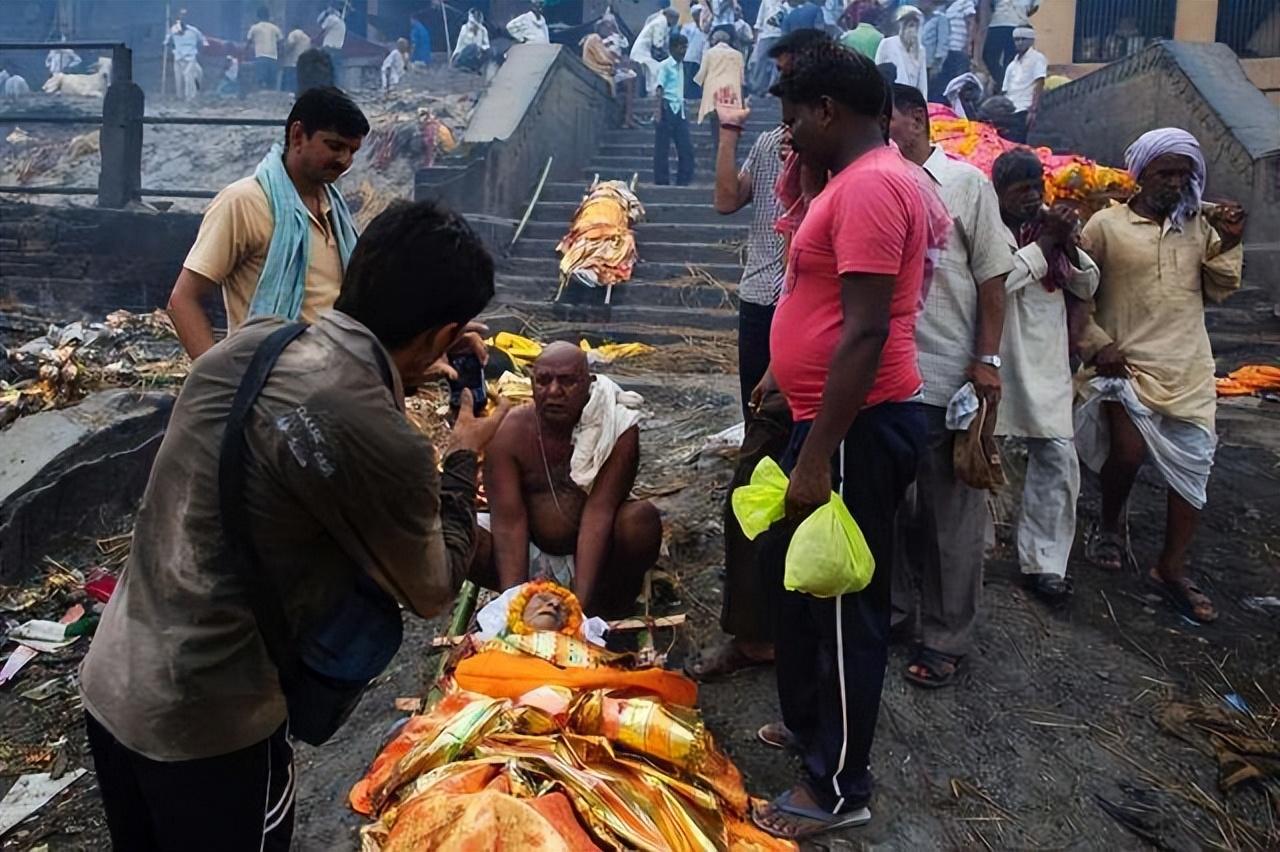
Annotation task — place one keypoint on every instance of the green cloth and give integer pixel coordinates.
(864, 38)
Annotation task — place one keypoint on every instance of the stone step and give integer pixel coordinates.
(649, 233)
(547, 267)
(660, 212)
(699, 193)
(503, 318)
(650, 251)
(644, 148)
(602, 318)
(520, 288)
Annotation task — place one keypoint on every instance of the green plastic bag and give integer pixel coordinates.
(762, 501)
(828, 555)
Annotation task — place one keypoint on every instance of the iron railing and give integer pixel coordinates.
(1107, 30)
(122, 121)
(1250, 27)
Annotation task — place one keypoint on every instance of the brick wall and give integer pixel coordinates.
(65, 263)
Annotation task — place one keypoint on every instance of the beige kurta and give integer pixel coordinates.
(1035, 378)
(1150, 303)
(722, 68)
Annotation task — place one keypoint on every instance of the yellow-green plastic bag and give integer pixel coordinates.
(828, 555)
(762, 501)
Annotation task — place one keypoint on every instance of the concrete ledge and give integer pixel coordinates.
(543, 103)
(75, 471)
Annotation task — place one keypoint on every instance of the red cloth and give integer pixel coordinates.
(870, 219)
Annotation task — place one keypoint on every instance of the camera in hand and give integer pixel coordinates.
(470, 376)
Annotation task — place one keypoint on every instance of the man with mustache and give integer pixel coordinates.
(277, 242)
(558, 476)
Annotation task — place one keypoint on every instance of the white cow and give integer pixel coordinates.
(94, 84)
(13, 86)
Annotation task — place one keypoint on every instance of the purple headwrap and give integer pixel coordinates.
(1170, 140)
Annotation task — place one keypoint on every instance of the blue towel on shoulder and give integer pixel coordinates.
(284, 274)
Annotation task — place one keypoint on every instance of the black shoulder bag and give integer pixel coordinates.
(325, 669)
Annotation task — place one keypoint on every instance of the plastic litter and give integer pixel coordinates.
(1261, 603)
(1235, 702)
(828, 555)
(962, 408)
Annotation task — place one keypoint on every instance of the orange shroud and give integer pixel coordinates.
(503, 675)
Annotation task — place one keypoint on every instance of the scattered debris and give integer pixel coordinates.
(30, 794)
(64, 364)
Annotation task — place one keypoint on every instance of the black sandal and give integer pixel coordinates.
(936, 669)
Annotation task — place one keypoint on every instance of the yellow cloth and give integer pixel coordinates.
(265, 37)
(1250, 379)
(721, 68)
(1150, 303)
(231, 248)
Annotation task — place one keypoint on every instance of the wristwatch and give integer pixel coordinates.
(990, 360)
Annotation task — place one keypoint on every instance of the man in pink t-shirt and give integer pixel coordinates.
(844, 356)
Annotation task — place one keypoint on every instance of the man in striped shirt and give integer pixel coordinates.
(961, 14)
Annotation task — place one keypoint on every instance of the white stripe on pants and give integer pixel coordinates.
(1047, 519)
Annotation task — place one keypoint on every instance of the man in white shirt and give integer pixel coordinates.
(1006, 16)
(905, 52)
(61, 60)
(333, 33)
(653, 40)
(394, 66)
(1024, 83)
(1036, 402)
(943, 523)
(297, 43)
(186, 41)
(531, 27)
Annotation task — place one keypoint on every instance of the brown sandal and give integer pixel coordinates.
(1186, 597)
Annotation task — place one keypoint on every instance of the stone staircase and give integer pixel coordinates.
(685, 282)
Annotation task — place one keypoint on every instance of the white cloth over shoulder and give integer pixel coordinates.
(492, 619)
(1181, 450)
(610, 411)
(529, 28)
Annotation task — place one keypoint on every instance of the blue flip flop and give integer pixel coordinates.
(825, 821)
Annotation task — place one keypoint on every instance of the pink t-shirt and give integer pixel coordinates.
(870, 218)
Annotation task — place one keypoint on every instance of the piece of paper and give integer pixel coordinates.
(23, 655)
(30, 794)
(47, 636)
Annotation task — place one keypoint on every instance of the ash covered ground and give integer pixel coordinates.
(210, 157)
(1067, 730)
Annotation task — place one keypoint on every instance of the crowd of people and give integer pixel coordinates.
(891, 297)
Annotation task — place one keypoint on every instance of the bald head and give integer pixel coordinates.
(561, 384)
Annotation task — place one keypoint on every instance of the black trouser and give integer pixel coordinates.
(997, 52)
(831, 652)
(691, 89)
(669, 128)
(749, 592)
(956, 63)
(233, 802)
(754, 324)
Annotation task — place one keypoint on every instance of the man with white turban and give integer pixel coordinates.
(1150, 391)
(1024, 82)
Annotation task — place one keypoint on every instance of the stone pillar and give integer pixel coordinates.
(120, 179)
(1196, 20)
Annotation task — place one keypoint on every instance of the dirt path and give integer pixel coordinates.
(1054, 714)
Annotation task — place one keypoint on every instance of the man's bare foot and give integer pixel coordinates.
(1186, 597)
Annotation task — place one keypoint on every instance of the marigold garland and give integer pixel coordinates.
(515, 612)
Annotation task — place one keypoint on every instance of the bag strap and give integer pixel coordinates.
(264, 600)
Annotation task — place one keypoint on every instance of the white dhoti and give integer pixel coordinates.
(1181, 450)
(1047, 519)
